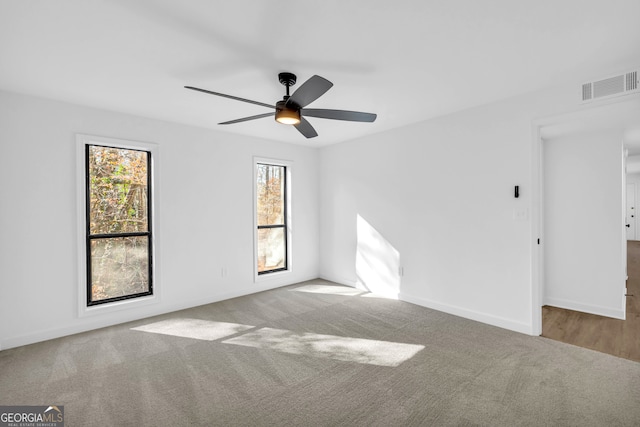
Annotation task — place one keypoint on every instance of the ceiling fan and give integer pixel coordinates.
(291, 110)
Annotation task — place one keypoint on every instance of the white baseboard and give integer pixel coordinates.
(524, 328)
(501, 322)
(124, 316)
(585, 308)
(76, 328)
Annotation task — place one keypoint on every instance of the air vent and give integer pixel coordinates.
(587, 91)
(611, 86)
(608, 87)
(632, 81)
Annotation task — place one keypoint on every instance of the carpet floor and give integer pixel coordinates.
(319, 354)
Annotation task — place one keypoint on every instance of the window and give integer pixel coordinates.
(118, 224)
(272, 233)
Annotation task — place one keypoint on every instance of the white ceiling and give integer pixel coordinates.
(404, 60)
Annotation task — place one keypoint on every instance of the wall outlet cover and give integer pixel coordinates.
(521, 214)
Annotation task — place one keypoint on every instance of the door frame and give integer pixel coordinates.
(633, 219)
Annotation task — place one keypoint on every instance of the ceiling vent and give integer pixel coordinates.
(609, 87)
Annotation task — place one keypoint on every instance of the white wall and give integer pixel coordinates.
(441, 193)
(583, 223)
(204, 212)
(434, 199)
(633, 165)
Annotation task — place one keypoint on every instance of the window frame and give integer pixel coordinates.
(104, 236)
(85, 305)
(288, 172)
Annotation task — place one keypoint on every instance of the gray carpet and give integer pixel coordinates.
(315, 354)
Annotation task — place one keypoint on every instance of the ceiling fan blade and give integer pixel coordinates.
(351, 116)
(305, 128)
(246, 119)
(230, 97)
(310, 90)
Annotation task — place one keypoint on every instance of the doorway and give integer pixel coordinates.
(614, 115)
(583, 198)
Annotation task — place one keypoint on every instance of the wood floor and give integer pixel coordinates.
(617, 337)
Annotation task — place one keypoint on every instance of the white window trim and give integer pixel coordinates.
(289, 168)
(81, 142)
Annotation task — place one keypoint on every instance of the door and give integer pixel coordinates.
(630, 214)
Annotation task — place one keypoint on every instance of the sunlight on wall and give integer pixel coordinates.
(194, 328)
(372, 352)
(377, 262)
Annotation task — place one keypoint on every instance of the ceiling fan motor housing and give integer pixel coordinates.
(286, 115)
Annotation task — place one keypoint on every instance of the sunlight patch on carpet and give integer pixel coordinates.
(194, 328)
(329, 289)
(372, 352)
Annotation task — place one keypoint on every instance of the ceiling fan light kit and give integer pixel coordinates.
(286, 115)
(291, 109)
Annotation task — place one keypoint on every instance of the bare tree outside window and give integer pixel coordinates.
(118, 224)
(271, 215)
